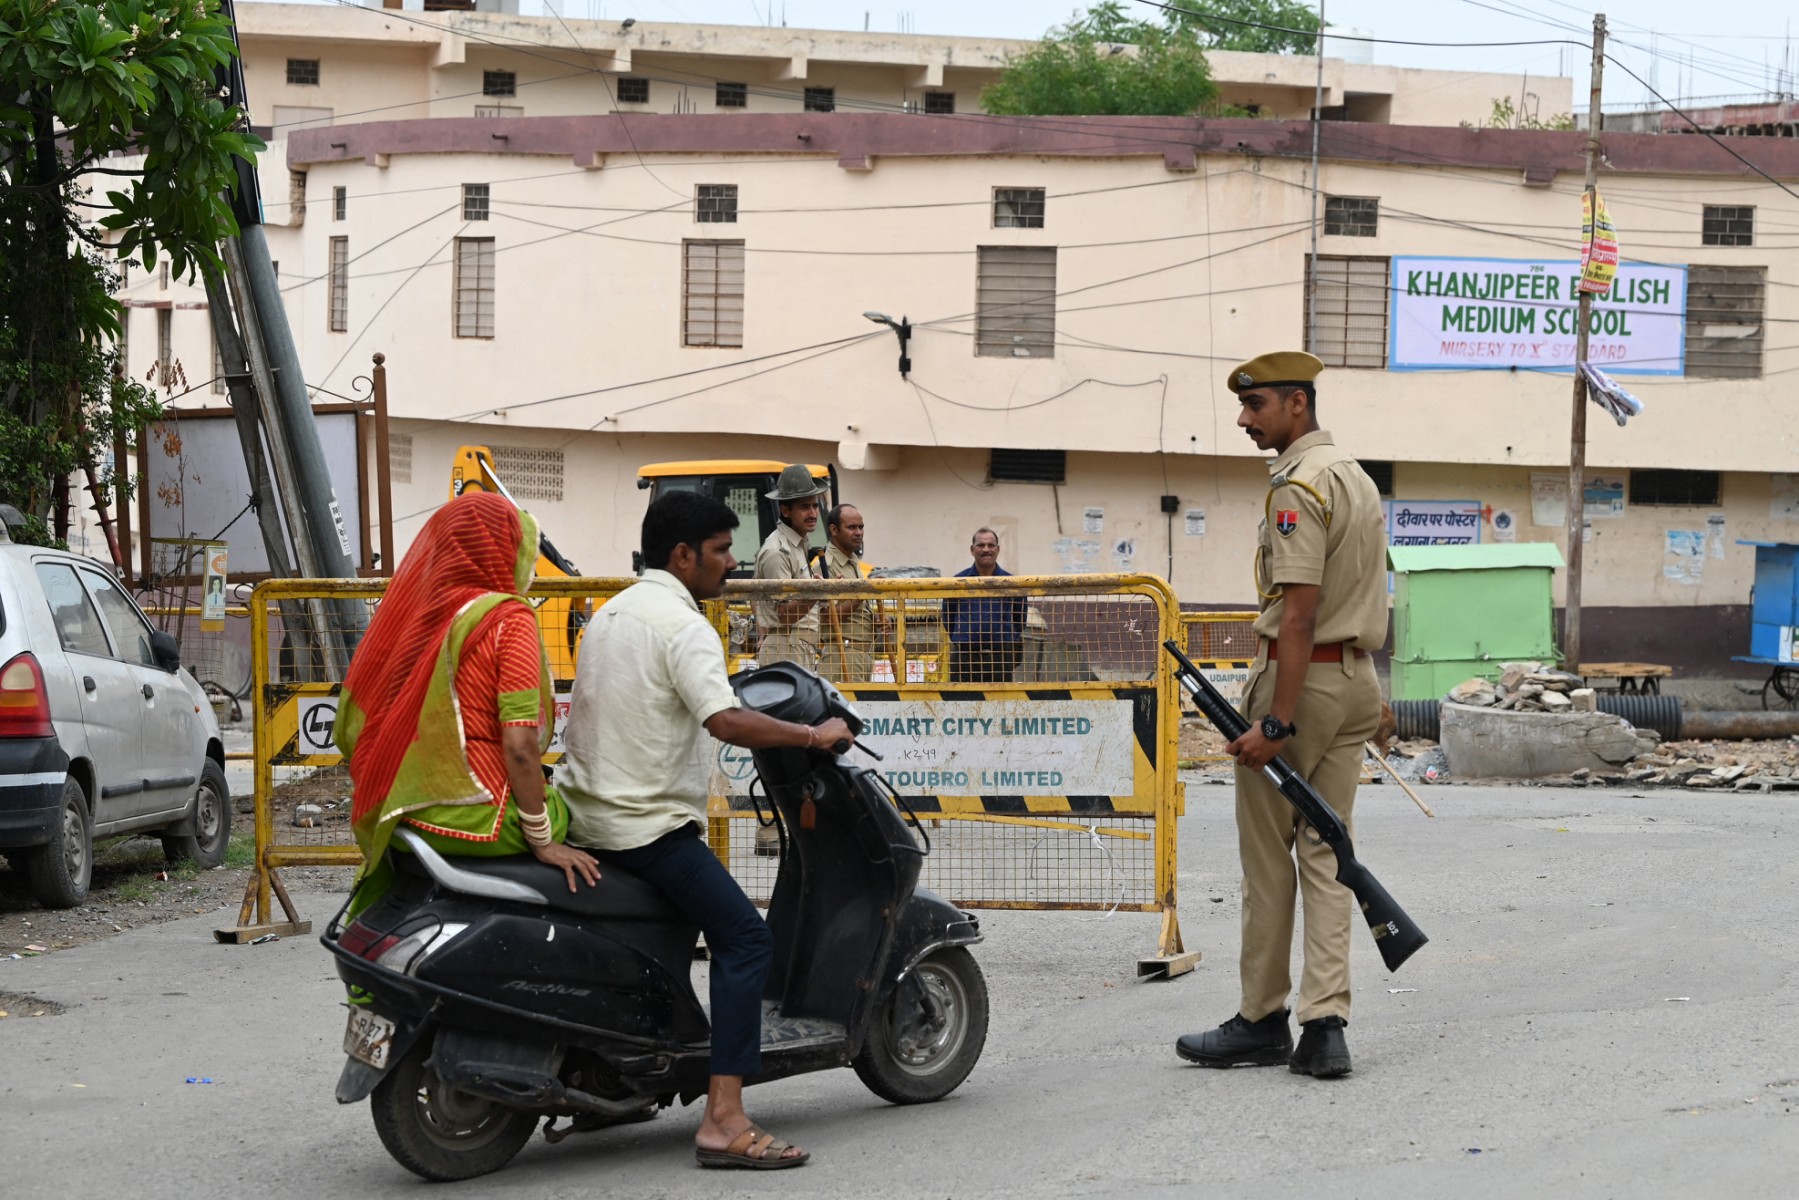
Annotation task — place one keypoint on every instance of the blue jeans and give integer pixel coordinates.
(682, 867)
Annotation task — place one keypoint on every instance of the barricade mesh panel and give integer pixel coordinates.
(1219, 637)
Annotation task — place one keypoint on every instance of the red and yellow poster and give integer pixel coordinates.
(1598, 244)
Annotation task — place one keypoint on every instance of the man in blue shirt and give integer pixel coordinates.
(986, 633)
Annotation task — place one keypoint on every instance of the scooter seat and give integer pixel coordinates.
(619, 894)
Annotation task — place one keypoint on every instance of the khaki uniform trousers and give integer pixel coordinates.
(850, 662)
(1337, 713)
(787, 646)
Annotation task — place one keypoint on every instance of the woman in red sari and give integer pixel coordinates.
(447, 707)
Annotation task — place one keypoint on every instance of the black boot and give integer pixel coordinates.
(1323, 1051)
(1240, 1042)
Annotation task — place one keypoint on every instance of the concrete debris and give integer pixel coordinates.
(1556, 702)
(1478, 692)
(1489, 743)
(1527, 687)
(1758, 766)
(1585, 700)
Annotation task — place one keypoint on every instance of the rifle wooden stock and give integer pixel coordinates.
(1396, 935)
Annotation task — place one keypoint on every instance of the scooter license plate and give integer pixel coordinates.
(369, 1038)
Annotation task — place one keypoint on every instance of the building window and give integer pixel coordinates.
(303, 71)
(499, 110)
(712, 294)
(1381, 473)
(1349, 296)
(474, 202)
(1674, 487)
(499, 83)
(716, 203)
(821, 99)
(530, 473)
(399, 458)
(732, 95)
(1018, 208)
(337, 286)
(632, 90)
(1015, 302)
(1027, 466)
(474, 287)
(165, 348)
(162, 276)
(1351, 216)
(340, 203)
(940, 103)
(1724, 321)
(1728, 225)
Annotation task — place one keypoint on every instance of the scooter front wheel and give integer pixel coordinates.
(438, 1132)
(930, 1031)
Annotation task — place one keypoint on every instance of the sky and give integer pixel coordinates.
(1663, 41)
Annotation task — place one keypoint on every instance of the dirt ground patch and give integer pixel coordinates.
(133, 886)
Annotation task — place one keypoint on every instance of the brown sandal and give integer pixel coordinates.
(752, 1150)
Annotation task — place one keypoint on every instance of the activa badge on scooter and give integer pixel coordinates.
(511, 998)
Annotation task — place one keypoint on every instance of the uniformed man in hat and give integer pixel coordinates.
(854, 626)
(1312, 697)
(789, 628)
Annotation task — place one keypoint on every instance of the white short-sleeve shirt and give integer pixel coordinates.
(637, 760)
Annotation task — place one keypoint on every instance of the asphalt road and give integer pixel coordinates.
(1607, 1008)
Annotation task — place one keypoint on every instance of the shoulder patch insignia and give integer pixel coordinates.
(1286, 520)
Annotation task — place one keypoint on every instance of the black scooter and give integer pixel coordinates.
(484, 995)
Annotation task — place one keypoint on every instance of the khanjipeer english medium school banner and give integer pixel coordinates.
(1488, 314)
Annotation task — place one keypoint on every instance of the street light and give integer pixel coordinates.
(903, 328)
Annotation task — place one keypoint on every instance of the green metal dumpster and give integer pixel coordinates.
(1460, 611)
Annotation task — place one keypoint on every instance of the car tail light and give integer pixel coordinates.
(24, 702)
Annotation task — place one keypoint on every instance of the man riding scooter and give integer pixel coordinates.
(651, 676)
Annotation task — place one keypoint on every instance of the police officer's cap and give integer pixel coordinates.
(1283, 368)
(796, 484)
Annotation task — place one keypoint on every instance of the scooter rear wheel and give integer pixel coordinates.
(441, 1133)
(930, 1031)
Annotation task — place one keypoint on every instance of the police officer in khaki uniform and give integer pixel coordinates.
(851, 627)
(789, 628)
(1312, 697)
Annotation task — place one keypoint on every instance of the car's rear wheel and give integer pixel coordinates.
(61, 869)
(206, 845)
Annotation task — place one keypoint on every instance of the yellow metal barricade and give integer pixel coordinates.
(1222, 645)
(1042, 764)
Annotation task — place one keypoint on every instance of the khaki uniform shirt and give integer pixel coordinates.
(783, 556)
(651, 673)
(1323, 525)
(859, 627)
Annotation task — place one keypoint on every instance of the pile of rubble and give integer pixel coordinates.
(1767, 766)
(1528, 687)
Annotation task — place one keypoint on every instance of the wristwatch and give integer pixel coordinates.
(1275, 731)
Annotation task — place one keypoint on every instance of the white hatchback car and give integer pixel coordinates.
(101, 731)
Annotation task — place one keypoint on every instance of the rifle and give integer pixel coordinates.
(1396, 935)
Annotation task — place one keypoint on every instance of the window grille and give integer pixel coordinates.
(1381, 473)
(732, 95)
(474, 288)
(303, 71)
(632, 90)
(338, 285)
(1351, 216)
(940, 103)
(1675, 487)
(1725, 330)
(712, 294)
(716, 203)
(499, 83)
(399, 458)
(529, 473)
(1027, 466)
(1728, 225)
(475, 201)
(821, 99)
(1351, 305)
(340, 203)
(1015, 302)
(1018, 208)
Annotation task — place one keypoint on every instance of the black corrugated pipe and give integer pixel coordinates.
(1660, 713)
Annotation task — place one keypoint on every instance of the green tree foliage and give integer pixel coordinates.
(1507, 115)
(1257, 26)
(121, 90)
(1107, 61)
(1103, 63)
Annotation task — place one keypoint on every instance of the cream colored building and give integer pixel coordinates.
(586, 294)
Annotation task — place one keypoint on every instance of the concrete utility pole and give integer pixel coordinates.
(1577, 449)
(1317, 121)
